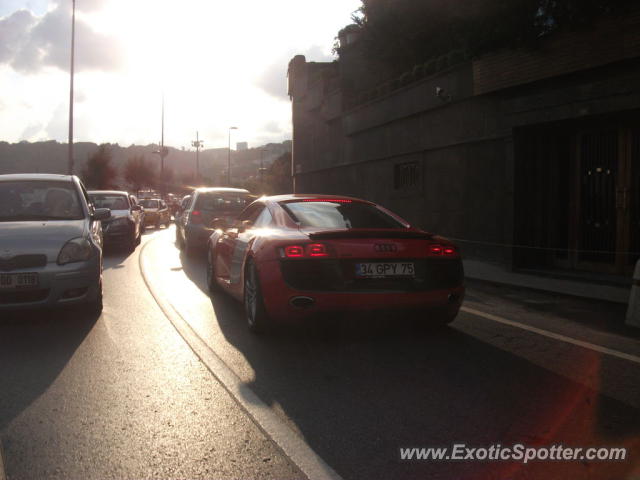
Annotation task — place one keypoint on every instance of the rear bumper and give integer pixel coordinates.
(278, 297)
(119, 236)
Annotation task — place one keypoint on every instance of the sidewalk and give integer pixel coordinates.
(478, 270)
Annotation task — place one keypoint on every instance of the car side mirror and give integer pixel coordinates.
(101, 214)
(218, 224)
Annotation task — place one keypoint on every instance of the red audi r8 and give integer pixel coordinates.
(294, 256)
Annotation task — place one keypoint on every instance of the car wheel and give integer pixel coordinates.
(254, 311)
(212, 284)
(131, 243)
(189, 249)
(179, 240)
(94, 307)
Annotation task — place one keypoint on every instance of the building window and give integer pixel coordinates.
(406, 176)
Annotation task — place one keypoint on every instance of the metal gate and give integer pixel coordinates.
(599, 175)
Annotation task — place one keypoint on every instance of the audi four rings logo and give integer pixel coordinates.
(385, 247)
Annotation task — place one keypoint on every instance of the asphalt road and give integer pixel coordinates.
(129, 395)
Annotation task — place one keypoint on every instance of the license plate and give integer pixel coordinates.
(18, 280)
(385, 269)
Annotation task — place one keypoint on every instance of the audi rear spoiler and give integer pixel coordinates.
(383, 233)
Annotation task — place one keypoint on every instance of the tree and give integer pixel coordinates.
(139, 173)
(277, 178)
(166, 180)
(98, 172)
(397, 35)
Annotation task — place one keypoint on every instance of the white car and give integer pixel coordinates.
(50, 243)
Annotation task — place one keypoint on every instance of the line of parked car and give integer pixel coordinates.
(52, 235)
(287, 257)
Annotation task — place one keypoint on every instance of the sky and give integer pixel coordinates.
(217, 63)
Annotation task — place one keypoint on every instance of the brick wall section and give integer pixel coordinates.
(610, 41)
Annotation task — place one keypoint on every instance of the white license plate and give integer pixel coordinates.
(385, 269)
(18, 280)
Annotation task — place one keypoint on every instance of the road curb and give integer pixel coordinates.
(290, 444)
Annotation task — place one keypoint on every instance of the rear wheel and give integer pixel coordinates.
(179, 239)
(212, 284)
(132, 242)
(254, 311)
(189, 249)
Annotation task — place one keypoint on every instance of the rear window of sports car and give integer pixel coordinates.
(339, 215)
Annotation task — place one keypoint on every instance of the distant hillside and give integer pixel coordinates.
(51, 157)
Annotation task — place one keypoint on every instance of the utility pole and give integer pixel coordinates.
(162, 152)
(229, 158)
(197, 143)
(71, 72)
(262, 169)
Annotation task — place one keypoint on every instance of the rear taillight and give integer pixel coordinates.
(442, 250)
(293, 251)
(317, 250)
(312, 250)
(196, 217)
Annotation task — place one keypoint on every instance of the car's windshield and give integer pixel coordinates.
(226, 202)
(28, 200)
(339, 215)
(113, 201)
(149, 203)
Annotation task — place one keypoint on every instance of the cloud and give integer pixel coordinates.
(14, 33)
(273, 79)
(31, 131)
(29, 43)
(272, 127)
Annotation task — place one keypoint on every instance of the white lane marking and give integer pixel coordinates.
(555, 336)
(2, 474)
(285, 439)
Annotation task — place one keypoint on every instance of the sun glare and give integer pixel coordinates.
(208, 57)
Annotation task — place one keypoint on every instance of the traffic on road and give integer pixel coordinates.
(375, 357)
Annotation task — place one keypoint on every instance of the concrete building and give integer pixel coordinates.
(529, 158)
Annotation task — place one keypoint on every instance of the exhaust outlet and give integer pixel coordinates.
(302, 302)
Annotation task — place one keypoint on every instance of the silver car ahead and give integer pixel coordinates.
(50, 243)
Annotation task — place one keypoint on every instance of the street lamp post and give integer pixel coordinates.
(71, 71)
(197, 143)
(262, 169)
(163, 151)
(229, 157)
